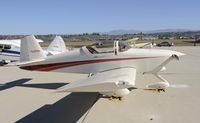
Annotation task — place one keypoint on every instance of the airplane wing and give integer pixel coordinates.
(131, 40)
(106, 81)
(160, 67)
(133, 43)
(142, 45)
(39, 41)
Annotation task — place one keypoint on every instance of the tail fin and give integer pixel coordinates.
(30, 49)
(56, 46)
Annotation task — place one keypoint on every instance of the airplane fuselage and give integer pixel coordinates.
(83, 61)
(9, 51)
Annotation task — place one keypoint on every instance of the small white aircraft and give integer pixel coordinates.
(130, 43)
(10, 49)
(133, 43)
(57, 46)
(111, 73)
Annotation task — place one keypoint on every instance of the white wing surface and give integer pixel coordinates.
(106, 81)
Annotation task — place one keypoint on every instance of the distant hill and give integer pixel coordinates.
(121, 31)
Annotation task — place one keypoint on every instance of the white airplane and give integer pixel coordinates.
(57, 46)
(133, 43)
(10, 49)
(130, 43)
(111, 73)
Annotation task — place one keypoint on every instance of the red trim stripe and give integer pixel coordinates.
(54, 66)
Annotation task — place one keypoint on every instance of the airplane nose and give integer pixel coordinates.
(177, 53)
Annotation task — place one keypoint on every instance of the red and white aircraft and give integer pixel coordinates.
(111, 73)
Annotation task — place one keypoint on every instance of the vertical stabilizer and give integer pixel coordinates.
(30, 49)
(57, 46)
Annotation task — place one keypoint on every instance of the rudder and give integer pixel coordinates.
(30, 49)
(57, 46)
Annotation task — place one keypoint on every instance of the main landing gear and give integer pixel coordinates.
(158, 90)
(114, 98)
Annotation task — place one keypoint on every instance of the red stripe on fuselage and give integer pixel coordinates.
(54, 66)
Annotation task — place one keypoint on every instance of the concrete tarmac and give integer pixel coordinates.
(31, 97)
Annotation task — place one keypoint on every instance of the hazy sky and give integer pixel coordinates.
(78, 16)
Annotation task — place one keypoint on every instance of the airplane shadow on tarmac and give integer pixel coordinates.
(21, 83)
(14, 83)
(67, 110)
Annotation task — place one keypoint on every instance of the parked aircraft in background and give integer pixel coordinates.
(133, 43)
(10, 49)
(57, 46)
(129, 43)
(111, 73)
